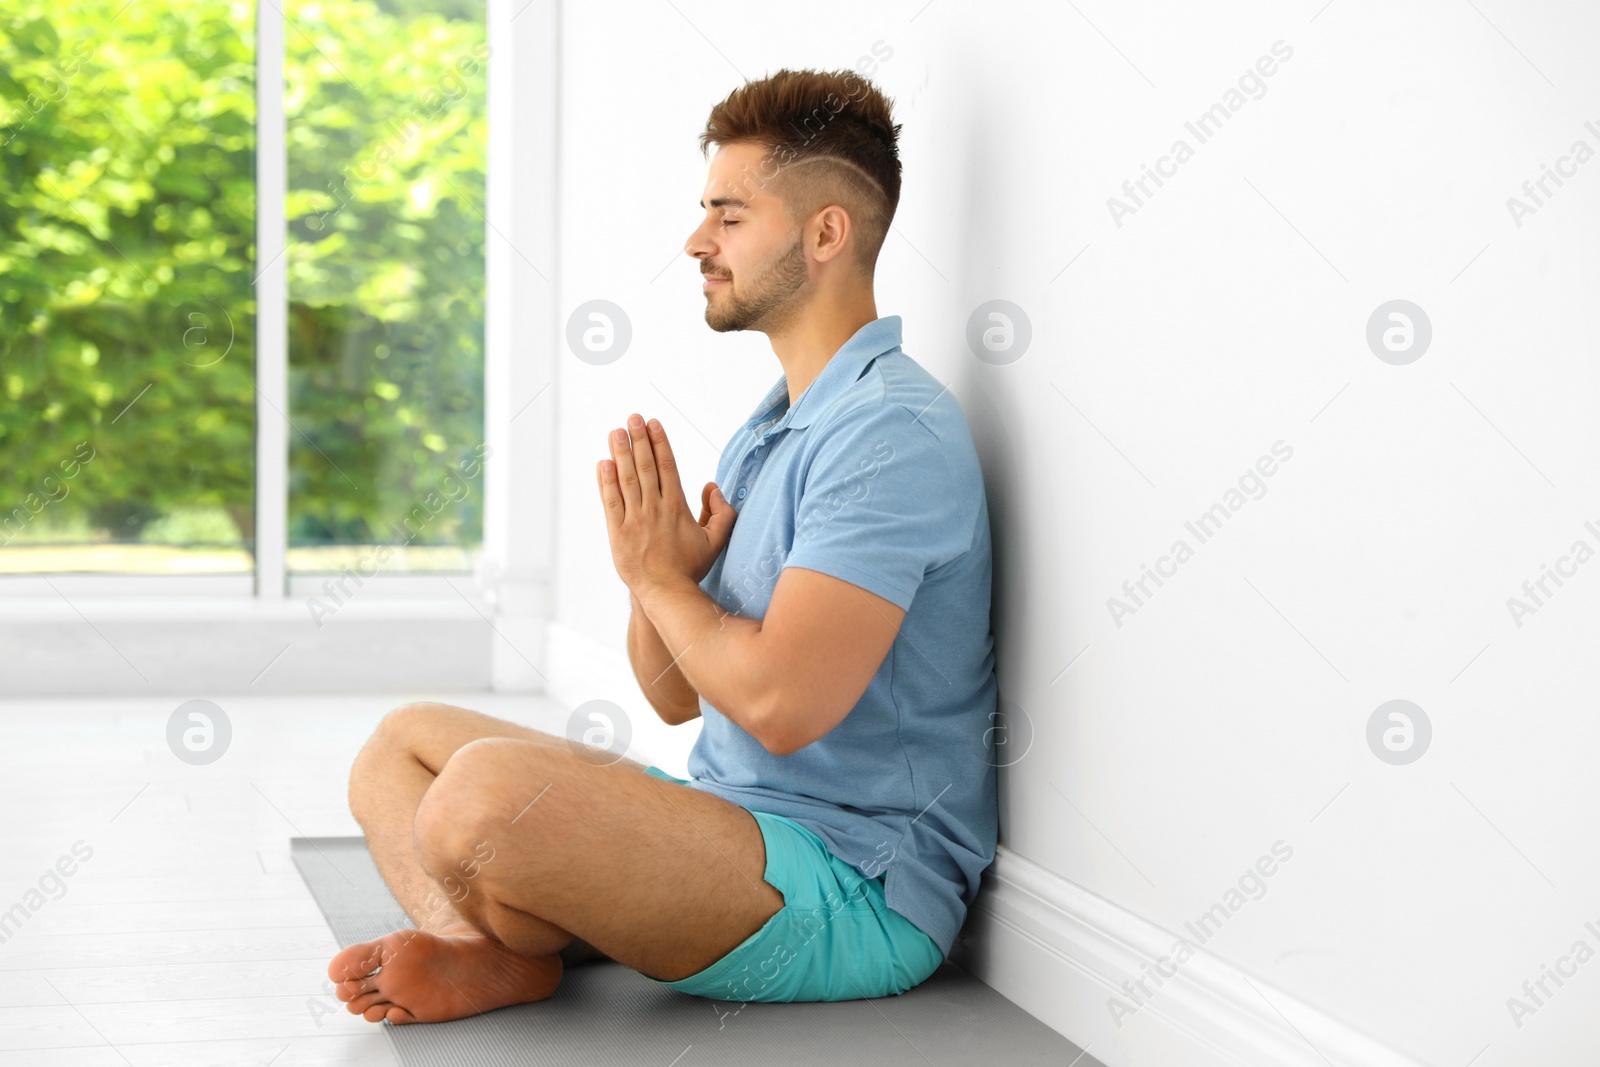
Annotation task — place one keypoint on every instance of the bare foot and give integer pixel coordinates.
(412, 976)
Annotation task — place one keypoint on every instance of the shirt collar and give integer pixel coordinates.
(866, 344)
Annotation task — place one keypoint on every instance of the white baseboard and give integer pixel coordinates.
(1052, 947)
(1060, 952)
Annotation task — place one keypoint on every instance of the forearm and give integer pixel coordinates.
(662, 683)
(720, 654)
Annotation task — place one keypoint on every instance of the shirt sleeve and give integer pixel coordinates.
(883, 503)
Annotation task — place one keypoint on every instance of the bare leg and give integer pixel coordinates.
(529, 842)
(387, 782)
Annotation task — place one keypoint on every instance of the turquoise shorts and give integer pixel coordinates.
(833, 939)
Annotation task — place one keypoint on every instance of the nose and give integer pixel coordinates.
(695, 247)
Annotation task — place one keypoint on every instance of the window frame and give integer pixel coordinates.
(272, 309)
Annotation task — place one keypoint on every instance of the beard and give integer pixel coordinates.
(767, 302)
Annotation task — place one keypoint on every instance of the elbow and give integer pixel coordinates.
(776, 744)
(785, 728)
(780, 748)
(679, 716)
(776, 729)
(674, 714)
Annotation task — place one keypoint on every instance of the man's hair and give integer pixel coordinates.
(829, 138)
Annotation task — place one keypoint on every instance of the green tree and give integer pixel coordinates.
(127, 226)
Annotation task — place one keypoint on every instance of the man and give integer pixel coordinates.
(828, 619)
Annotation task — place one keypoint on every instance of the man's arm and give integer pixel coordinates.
(718, 652)
(785, 688)
(827, 638)
(790, 678)
(664, 686)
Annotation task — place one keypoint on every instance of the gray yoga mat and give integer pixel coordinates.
(607, 1015)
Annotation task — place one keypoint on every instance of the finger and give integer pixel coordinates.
(721, 524)
(666, 463)
(627, 475)
(705, 503)
(644, 462)
(610, 494)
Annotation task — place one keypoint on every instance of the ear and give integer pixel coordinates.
(834, 230)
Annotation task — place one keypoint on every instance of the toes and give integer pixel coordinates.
(355, 962)
(377, 1011)
(397, 1014)
(361, 1004)
(354, 988)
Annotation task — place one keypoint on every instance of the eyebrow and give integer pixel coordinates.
(724, 201)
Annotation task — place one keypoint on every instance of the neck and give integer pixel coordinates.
(810, 339)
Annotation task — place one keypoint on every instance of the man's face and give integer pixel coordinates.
(751, 258)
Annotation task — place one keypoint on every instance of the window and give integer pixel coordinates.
(132, 349)
(127, 207)
(385, 109)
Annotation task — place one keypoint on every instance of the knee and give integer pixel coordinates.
(402, 724)
(464, 815)
(393, 737)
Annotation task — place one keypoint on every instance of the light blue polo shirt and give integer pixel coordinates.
(871, 476)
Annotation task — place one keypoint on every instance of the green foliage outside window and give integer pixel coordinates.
(127, 260)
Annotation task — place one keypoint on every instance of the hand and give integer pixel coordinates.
(654, 535)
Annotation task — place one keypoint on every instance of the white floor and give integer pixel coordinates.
(187, 937)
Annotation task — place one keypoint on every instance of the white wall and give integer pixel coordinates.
(1228, 313)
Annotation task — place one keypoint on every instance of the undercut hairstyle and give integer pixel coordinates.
(829, 139)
